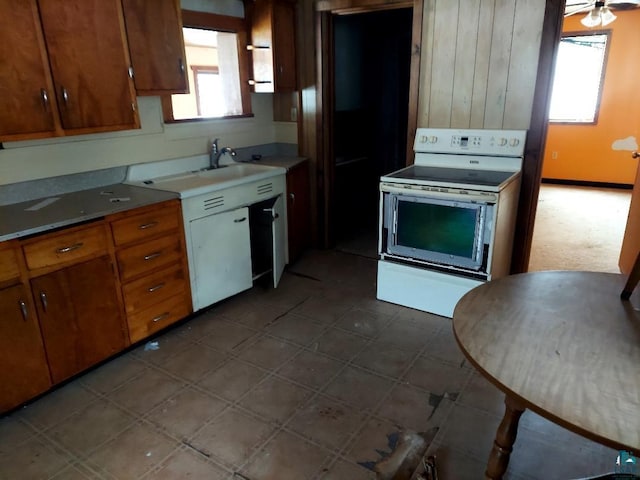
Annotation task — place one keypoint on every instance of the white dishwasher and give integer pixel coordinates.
(235, 230)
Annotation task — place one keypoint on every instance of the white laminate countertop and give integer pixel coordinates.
(278, 161)
(36, 216)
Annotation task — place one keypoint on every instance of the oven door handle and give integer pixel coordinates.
(467, 196)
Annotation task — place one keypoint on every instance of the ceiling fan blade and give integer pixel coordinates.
(578, 9)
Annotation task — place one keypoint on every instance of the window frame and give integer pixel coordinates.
(221, 23)
(605, 61)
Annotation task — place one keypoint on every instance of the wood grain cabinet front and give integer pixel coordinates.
(24, 373)
(152, 266)
(68, 69)
(154, 31)
(80, 316)
(273, 46)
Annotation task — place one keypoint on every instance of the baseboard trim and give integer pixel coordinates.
(582, 183)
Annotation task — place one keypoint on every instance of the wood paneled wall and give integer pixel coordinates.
(479, 63)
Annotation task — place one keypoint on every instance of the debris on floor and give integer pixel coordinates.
(404, 457)
(151, 346)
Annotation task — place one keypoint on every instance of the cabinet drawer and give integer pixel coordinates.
(153, 288)
(142, 258)
(146, 224)
(9, 267)
(152, 319)
(61, 248)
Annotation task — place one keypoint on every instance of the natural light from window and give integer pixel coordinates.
(578, 78)
(214, 76)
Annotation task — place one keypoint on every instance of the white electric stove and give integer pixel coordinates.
(447, 222)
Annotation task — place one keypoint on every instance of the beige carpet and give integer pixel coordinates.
(579, 228)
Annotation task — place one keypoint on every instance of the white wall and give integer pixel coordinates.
(35, 159)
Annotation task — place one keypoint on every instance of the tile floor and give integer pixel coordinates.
(302, 382)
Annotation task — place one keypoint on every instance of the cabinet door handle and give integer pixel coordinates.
(65, 95)
(130, 72)
(43, 299)
(153, 255)
(160, 317)
(144, 226)
(256, 82)
(635, 155)
(70, 248)
(156, 287)
(180, 65)
(239, 220)
(45, 98)
(292, 196)
(23, 309)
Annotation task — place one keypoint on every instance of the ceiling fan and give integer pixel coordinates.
(599, 12)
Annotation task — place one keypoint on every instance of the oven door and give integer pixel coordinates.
(446, 229)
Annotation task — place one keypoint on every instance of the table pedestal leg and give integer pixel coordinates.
(505, 438)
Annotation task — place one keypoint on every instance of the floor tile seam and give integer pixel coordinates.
(365, 337)
(255, 451)
(189, 450)
(82, 457)
(105, 472)
(265, 444)
(32, 427)
(68, 456)
(335, 449)
(324, 330)
(317, 389)
(349, 442)
(311, 349)
(464, 365)
(85, 468)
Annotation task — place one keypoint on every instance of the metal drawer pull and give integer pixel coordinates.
(45, 98)
(180, 65)
(239, 220)
(23, 308)
(160, 317)
(43, 299)
(157, 287)
(144, 226)
(65, 95)
(70, 248)
(153, 255)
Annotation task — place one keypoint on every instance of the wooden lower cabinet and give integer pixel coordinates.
(298, 209)
(80, 316)
(149, 245)
(24, 373)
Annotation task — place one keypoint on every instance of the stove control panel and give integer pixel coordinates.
(508, 143)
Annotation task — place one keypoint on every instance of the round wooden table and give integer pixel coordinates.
(562, 344)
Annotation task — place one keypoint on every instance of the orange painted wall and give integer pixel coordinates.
(584, 151)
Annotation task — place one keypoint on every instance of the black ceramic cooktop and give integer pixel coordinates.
(423, 174)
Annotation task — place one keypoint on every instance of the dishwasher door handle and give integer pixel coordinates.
(239, 220)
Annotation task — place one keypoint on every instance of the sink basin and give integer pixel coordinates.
(188, 184)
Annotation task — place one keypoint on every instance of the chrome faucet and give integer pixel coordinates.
(216, 153)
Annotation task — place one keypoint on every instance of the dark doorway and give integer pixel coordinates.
(372, 55)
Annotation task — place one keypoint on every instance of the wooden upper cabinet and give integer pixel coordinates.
(273, 46)
(27, 100)
(89, 60)
(154, 30)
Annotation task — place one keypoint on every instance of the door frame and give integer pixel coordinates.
(325, 94)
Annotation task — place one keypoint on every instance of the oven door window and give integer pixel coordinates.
(440, 231)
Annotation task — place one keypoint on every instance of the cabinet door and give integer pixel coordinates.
(24, 373)
(90, 64)
(298, 209)
(80, 317)
(27, 101)
(279, 239)
(221, 262)
(284, 45)
(154, 31)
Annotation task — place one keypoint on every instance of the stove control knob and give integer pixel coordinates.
(432, 139)
(502, 142)
(514, 142)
